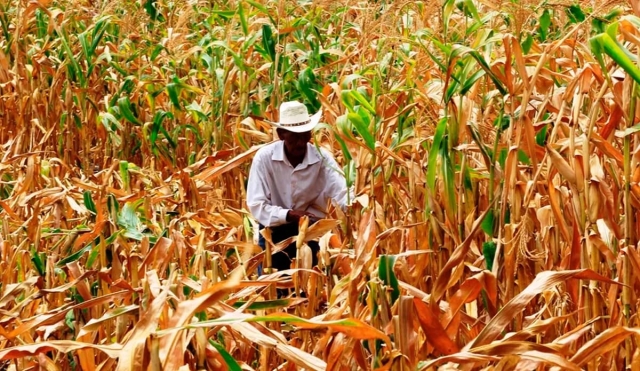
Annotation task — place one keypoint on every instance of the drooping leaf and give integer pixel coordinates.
(385, 271)
(232, 364)
(88, 202)
(543, 281)
(545, 22)
(575, 13)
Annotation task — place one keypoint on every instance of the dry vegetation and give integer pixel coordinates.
(493, 146)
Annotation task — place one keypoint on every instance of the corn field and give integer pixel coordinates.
(493, 147)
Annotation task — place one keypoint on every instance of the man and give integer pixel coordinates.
(290, 178)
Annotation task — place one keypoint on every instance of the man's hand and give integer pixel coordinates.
(295, 215)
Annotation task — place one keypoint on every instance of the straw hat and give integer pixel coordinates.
(295, 117)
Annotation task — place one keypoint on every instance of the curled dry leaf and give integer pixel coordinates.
(64, 346)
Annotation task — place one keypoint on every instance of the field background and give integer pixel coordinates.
(492, 145)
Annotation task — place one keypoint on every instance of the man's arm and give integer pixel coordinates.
(259, 197)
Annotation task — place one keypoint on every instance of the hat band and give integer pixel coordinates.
(296, 124)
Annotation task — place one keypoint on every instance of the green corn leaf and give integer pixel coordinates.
(374, 293)
(110, 122)
(545, 23)
(129, 220)
(268, 42)
(124, 174)
(451, 90)
(447, 11)
(489, 252)
(448, 178)
(575, 13)
(612, 31)
(121, 70)
(386, 273)
(224, 14)
(243, 19)
(250, 41)
(236, 57)
(502, 157)
(527, 44)
(357, 96)
(84, 43)
(208, 62)
(345, 150)
(598, 25)
(460, 51)
(232, 364)
(466, 179)
(75, 256)
(363, 129)
(88, 202)
(173, 91)
(597, 50)
(488, 224)
(470, 9)
(152, 11)
(446, 49)
(603, 43)
(350, 173)
(470, 81)
(158, 118)
(196, 111)
(632, 130)
(74, 66)
(38, 261)
(98, 32)
(522, 157)
(181, 128)
(124, 104)
(475, 135)
(433, 153)
(133, 234)
(614, 13)
(113, 207)
(70, 319)
(156, 52)
(93, 256)
(41, 22)
(306, 84)
(128, 217)
(258, 6)
(347, 100)
(349, 79)
(541, 137)
(169, 138)
(190, 88)
(344, 126)
(502, 122)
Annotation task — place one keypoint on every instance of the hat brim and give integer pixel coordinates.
(313, 122)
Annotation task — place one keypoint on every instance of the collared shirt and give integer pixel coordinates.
(275, 186)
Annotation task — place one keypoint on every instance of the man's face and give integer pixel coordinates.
(295, 143)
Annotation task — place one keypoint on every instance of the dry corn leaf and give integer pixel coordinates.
(433, 330)
(603, 343)
(543, 281)
(64, 346)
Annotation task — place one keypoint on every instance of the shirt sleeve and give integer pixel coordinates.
(336, 186)
(259, 196)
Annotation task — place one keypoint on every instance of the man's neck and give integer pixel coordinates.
(294, 161)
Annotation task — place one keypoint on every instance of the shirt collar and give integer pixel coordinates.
(311, 157)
